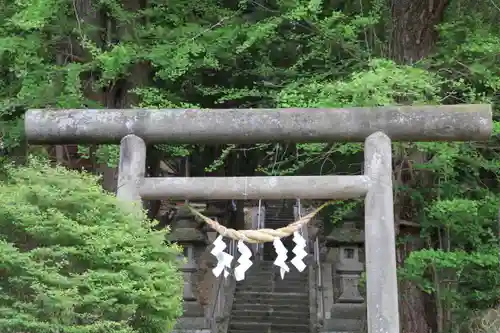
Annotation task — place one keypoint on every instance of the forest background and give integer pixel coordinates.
(289, 53)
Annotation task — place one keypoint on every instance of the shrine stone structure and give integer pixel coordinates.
(186, 232)
(376, 127)
(345, 306)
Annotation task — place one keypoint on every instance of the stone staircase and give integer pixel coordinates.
(278, 214)
(263, 303)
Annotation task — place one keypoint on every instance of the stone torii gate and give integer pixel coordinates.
(375, 126)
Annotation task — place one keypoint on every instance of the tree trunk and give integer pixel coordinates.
(418, 311)
(413, 28)
(413, 38)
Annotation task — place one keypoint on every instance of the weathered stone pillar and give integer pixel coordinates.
(131, 169)
(380, 247)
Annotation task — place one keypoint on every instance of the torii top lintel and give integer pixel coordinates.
(400, 123)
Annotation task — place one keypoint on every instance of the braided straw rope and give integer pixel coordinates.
(260, 235)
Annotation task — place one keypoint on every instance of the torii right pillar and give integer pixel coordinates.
(382, 296)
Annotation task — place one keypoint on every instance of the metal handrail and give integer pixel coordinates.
(321, 301)
(260, 224)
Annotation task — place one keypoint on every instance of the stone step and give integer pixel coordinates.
(280, 217)
(276, 289)
(285, 285)
(343, 325)
(271, 295)
(277, 308)
(341, 331)
(273, 212)
(262, 298)
(265, 299)
(274, 224)
(270, 317)
(260, 327)
(276, 276)
(238, 330)
(268, 277)
(271, 289)
(278, 212)
(269, 280)
(279, 207)
(266, 312)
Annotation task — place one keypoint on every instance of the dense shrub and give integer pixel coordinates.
(73, 260)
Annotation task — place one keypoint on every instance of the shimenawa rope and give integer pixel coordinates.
(259, 235)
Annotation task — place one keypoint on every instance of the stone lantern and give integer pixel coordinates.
(348, 242)
(348, 311)
(186, 232)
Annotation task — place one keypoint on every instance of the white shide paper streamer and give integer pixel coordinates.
(299, 251)
(281, 257)
(243, 261)
(223, 259)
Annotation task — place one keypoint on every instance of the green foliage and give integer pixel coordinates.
(75, 259)
(381, 83)
(462, 267)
